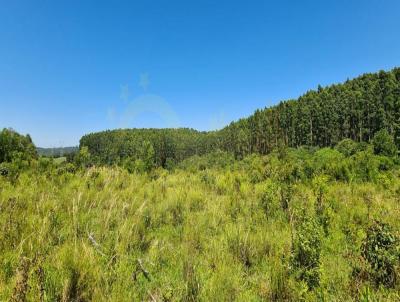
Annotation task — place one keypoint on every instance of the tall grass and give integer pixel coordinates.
(222, 234)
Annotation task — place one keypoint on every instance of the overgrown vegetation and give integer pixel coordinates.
(303, 224)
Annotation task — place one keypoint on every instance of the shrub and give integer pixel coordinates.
(347, 147)
(269, 197)
(207, 178)
(66, 168)
(327, 161)
(82, 158)
(322, 210)
(10, 171)
(45, 164)
(4, 169)
(384, 144)
(381, 250)
(365, 166)
(286, 195)
(306, 252)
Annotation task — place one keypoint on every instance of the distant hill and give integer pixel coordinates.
(56, 152)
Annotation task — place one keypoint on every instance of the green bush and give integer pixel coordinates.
(4, 169)
(365, 166)
(384, 144)
(347, 147)
(45, 164)
(268, 198)
(83, 157)
(306, 251)
(328, 161)
(381, 250)
(9, 171)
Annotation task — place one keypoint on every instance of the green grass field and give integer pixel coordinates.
(240, 232)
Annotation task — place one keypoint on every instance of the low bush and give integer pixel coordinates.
(381, 250)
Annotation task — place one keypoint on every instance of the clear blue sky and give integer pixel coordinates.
(72, 67)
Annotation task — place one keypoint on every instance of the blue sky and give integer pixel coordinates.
(72, 67)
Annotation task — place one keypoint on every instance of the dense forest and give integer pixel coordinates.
(356, 110)
(158, 147)
(298, 202)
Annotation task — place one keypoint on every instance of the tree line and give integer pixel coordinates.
(149, 147)
(356, 109)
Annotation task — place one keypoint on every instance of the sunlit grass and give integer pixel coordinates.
(216, 235)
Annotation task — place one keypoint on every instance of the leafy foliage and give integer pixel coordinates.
(348, 147)
(17, 152)
(16, 147)
(382, 251)
(306, 251)
(384, 144)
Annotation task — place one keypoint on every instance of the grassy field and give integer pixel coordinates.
(60, 160)
(240, 232)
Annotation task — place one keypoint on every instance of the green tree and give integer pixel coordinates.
(83, 157)
(16, 146)
(146, 158)
(347, 147)
(384, 144)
